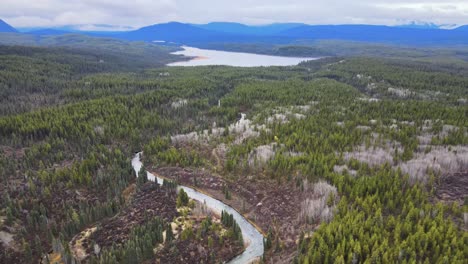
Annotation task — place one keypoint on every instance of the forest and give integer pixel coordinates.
(350, 159)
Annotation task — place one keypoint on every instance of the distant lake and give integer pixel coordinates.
(203, 57)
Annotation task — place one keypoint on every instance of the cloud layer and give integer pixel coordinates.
(137, 13)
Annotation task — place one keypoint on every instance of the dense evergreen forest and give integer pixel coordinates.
(338, 160)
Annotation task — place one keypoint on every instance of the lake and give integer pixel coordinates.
(203, 57)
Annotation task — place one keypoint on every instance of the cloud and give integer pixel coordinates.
(137, 13)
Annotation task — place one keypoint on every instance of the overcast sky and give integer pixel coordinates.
(137, 13)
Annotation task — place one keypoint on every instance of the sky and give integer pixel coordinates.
(125, 14)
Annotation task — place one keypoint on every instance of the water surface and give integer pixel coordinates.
(203, 57)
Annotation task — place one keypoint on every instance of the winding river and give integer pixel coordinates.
(252, 237)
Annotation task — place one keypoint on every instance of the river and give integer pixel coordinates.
(203, 57)
(252, 237)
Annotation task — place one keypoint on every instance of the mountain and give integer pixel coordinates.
(381, 34)
(427, 25)
(462, 29)
(189, 34)
(241, 29)
(420, 25)
(4, 27)
(172, 31)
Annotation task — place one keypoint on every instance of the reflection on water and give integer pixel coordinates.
(253, 239)
(214, 57)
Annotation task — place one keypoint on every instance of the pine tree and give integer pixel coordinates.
(169, 234)
(142, 177)
(182, 198)
(27, 251)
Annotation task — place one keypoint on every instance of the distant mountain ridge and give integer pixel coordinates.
(415, 33)
(182, 33)
(238, 28)
(420, 25)
(290, 32)
(172, 31)
(382, 34)
(5, 27)
(462, 29)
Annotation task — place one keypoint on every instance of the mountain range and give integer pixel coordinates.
(284, 33)
(427, 34)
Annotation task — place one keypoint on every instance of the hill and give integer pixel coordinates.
(172, 31)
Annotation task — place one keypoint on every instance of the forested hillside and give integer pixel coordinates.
(339, 160)
(31, 77)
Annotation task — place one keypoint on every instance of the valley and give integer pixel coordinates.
(107, 155)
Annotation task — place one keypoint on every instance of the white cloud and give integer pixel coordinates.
(136, 13)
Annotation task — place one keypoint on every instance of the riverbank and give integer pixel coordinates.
(270, 206)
